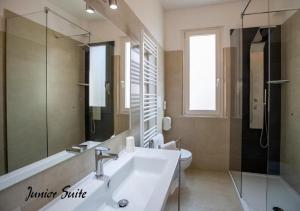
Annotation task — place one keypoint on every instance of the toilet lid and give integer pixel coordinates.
(185, 154)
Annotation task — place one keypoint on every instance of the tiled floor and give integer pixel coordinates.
(206, 191)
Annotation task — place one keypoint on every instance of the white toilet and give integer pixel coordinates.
(185, 160)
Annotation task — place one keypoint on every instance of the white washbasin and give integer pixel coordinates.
(142, 177)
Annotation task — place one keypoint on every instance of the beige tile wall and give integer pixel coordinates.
(26, 91)
(206, 138)
(161, 86)
(65, 99)
(121, 121)
(290, 137)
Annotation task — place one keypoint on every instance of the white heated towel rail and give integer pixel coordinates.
(149, 106)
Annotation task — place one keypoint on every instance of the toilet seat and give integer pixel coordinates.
(185, 155)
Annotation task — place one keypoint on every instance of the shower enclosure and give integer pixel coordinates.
(265, 105)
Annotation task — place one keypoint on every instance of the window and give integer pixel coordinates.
(202, 73)
(125, 77)
(97, 76)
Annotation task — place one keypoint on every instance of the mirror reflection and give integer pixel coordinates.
(66, 83)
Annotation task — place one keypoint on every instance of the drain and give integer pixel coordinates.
(123, 203)
(277, 209)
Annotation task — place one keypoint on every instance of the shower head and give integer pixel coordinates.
(261, 32)
(258, 37)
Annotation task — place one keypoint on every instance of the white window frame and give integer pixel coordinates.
(122, 90)
(220, 89)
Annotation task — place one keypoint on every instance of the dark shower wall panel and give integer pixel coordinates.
(254, 157)
(275, 102)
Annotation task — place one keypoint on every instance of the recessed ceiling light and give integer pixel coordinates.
(113, 4)
(89, 9)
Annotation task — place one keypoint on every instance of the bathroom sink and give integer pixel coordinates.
(142, 177)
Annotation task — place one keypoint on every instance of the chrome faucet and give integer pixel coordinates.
(151, 143)
(99, 157)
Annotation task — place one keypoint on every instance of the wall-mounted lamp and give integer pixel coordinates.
(113, 4)
(89, 9)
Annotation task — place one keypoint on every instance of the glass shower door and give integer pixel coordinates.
(270, 152)
(283, 186)
(236, 94)
(254, 111)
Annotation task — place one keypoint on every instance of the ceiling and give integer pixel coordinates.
(76, 8)
(180, 4)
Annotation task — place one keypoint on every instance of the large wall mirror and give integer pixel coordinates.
(66, 83)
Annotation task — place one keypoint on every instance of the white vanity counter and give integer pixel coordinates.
(143, 177)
